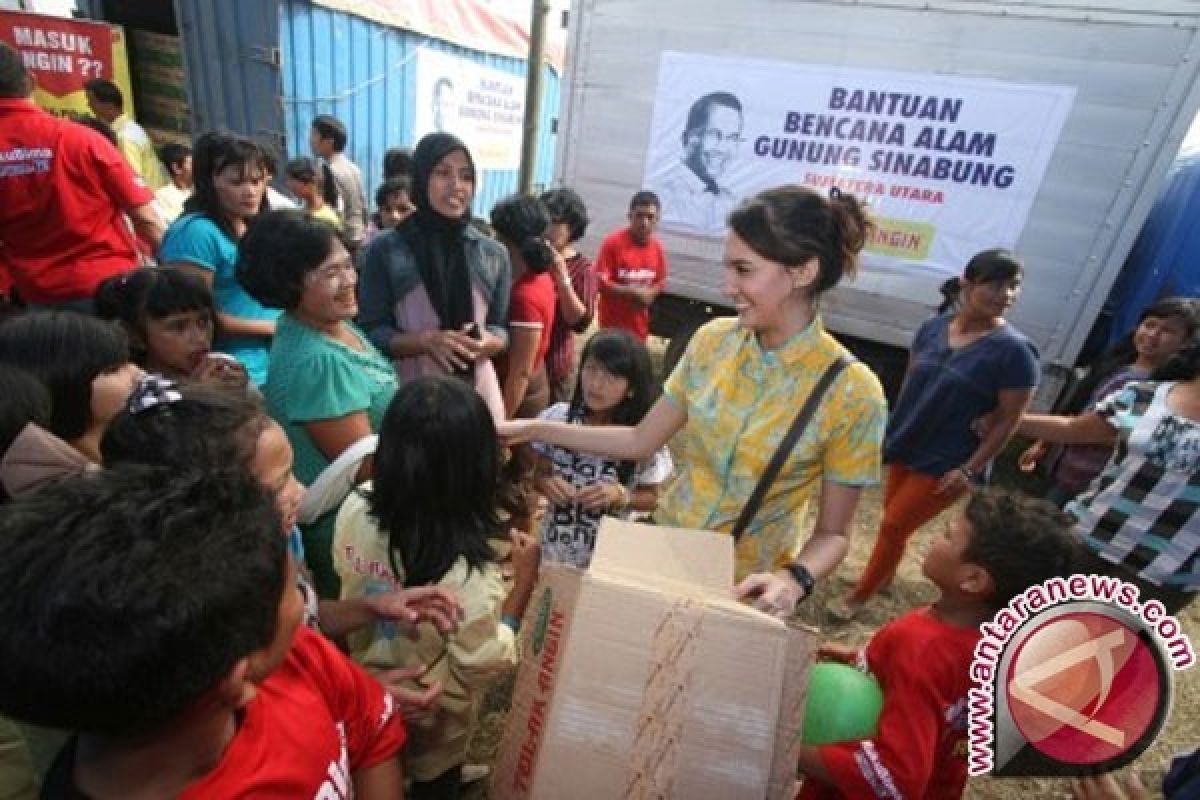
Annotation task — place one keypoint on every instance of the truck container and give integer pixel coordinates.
(1122, 77)
(1163, 261)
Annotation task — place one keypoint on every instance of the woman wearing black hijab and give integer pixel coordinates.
(434, 292)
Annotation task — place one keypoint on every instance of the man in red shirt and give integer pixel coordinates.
(632, 269)
(64, 195)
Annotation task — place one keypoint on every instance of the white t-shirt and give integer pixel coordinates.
(568, 529)
(278, 201)
(169, 201)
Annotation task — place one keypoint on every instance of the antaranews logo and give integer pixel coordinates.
(1073, 677)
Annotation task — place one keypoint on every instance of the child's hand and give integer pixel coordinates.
(1106, 787)
(525, 557)
(433, 604)
(1028, 460)
(562, 273)
(221, 371)
(809, 764)
(599, 496)
(413, 704)
(843, 653)
(557, 490)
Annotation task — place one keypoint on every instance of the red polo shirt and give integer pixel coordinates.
(624, 262)
(532, 304)
(63, 193)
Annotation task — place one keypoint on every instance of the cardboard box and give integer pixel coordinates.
(643, 678)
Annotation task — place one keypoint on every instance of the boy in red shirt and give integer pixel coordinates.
(1001, 545)
(632, 269)
(177, 653)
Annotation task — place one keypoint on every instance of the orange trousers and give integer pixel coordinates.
(910, 499)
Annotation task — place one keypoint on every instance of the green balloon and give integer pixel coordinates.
(843, 704)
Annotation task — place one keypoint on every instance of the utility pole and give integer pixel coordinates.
(533, 95)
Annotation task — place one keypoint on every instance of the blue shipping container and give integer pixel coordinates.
(364, 74)
(266, 68)
(1164, 258)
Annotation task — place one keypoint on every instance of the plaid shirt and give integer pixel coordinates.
(560, 360)
(1143, 511)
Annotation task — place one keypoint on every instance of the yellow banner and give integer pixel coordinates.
(901, 238)
(76, 101)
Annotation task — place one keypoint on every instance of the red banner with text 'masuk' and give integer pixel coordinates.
(61, 54)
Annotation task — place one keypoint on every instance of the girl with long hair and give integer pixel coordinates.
(431, 518)
(615, 387)
(230, 174)
(1138, 520)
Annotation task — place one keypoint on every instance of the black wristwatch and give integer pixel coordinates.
(803, 577)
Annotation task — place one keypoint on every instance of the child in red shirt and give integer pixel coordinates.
(178, 654)
(1002, 544)
(521, 224)
(632, 269)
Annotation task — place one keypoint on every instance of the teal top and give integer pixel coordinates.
(195, 239)
(313, 377)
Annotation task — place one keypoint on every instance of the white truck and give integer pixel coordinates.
(1044, 126)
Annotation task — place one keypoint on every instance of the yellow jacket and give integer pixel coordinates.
(139, 151)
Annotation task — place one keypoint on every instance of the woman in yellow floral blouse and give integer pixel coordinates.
(734, 395)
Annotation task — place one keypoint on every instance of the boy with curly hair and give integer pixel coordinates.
(1002, 544)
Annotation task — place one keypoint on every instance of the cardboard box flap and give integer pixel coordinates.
(661, 555)
(642, 678)
(718, 602)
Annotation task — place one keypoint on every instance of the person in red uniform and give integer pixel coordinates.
(632, 269)
(64, 195)
(1001, 545)
(199, 680)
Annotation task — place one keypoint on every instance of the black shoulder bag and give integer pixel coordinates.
(803, 417)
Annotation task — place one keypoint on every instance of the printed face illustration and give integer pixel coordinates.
(708, 149)
(445, 105)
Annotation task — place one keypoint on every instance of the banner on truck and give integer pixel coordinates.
(949, 166)
(482, 106)
(64, 54)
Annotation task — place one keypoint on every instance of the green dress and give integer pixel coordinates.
(313, 377)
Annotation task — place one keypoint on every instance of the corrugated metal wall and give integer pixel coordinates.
(364, 74)
(231, 62)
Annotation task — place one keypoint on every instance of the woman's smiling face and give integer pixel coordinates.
(452, 185)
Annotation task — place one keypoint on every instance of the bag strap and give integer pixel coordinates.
(803, 417)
